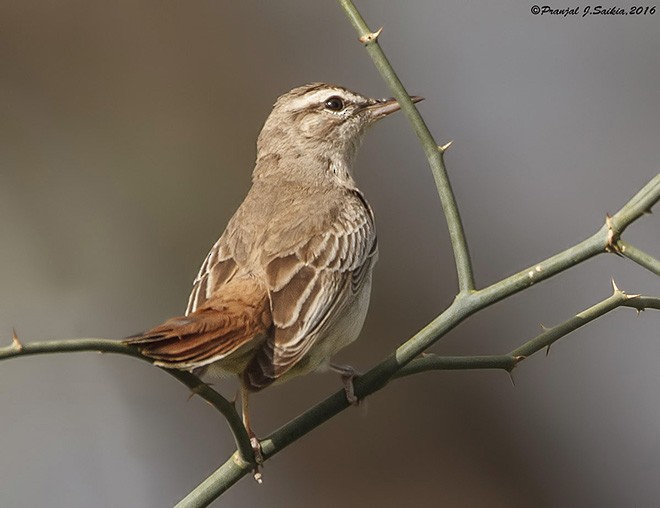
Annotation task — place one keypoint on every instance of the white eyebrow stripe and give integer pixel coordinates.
(320, 96)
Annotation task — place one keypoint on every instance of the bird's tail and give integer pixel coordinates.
(226, 327)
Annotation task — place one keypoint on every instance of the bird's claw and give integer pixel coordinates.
(258, 459)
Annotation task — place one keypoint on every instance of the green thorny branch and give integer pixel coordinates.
(410, 358)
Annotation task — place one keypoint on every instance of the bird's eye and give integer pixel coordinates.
(334, 104)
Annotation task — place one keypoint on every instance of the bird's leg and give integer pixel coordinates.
(347, 373)
(254, 441)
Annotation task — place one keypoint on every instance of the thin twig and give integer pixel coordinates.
(226, 408)
(549, 336)
(478, 300)
(639, 256)
(640, 204)
(437, 362)
(598, 243)
(245, 453)
(434, 154)
(552, 335)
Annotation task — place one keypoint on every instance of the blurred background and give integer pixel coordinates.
(126, 143)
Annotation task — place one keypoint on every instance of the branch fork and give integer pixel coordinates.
(612, 237)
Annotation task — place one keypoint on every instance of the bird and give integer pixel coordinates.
(288, 283)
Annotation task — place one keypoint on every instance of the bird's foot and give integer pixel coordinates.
(258, 458)
(348, 374)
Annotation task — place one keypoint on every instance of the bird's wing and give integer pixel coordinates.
(308, 284)
(217, 269)
(236, 318)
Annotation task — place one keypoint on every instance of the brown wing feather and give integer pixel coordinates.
(307, 289)
(237, 317)
(218, 269)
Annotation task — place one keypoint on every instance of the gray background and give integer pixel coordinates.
(127, 141)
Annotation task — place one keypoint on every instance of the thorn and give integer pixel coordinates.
(370, 37)
(647, 212)
(443, 148)
(544, 328)
(16, 344)
(630, 297)
(518, 359)
(615, 250)
(615, 288)
(513, 381)
(547, 350)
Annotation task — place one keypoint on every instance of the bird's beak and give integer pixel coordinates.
(384, 107)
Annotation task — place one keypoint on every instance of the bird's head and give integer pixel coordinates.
(321, 120)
